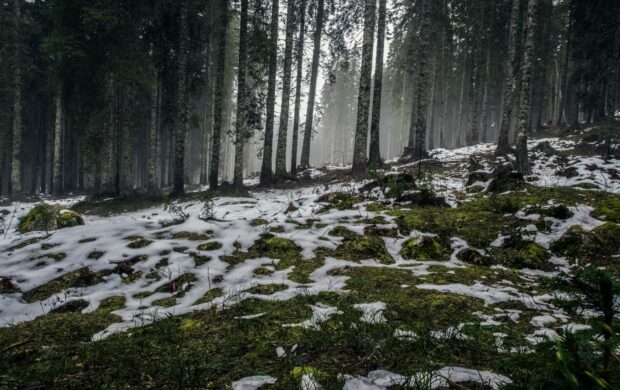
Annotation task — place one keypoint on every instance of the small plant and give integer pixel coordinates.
(208, 207)
(173, 207)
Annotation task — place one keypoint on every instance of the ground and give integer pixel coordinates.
(411, 279)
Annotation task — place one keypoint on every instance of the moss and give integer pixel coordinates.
(277, 229)
(392, 186)
(609, 210)
(209, 296)
(137, 242)
(179, 285)
(507, 181)
(25, 243)
(95, 255)
(80, 278)
(180, 249)
(86, 240)
(189, 324)
(258, 222)
(355, 247)
(519, 253)
(267, 289)
(263, 271)
(210, 246)
(338, 200)
(47, 246)
(191, 236)
(424, 248)
(472, 256)
(599, 246)
(75, 306)
(45, 217)
(165, 302)
(110, 304)
(132, 277)
(199, 259)
(374, 230)
(7, 286)
(55, 256)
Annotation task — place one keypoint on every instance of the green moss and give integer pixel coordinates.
(199, 259)
(111, 304)
(80, 278)
(424, 248)
(46, 217)
(87, 240)
(56, 256)
(355, 247)
(209, 296)
(137, 242)
(191, 236)
(95, 255)
(7, 286)
(601, 246)
(519, 253)
(47, 246)
(267, 289)
(165, 302)
(608, 209)
(132, 277)
(210, 246)
(277, 229)
(264, 271)
(25, 243)
(179, 285)
(258, 222)
(338, 200)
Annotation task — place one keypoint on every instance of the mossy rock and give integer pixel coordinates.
(75, 306)
(609, 210)
(599, 244)
(210, 246)
(275, 248)
(473, 256)
(423, 248)
(505, 180)
(191, 236)
(519, 253)
(46, 217)
(392, 186)
(356, 248)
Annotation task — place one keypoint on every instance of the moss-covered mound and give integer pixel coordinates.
(609, 210)
(599, 245)
(46, 217)
(355, 247)
(392, 185)
(424, 248)
(472, 256)
(516, 252)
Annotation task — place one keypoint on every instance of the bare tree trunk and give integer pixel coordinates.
(57, 148)
(300, 64)
(503, 143)
(182, 120)
(523, 165)
(305, 150)
(153, 139)
(486, 98)
(375, 147)
(564, 88)
(363, 101)
(126, 145)
(16, 156)
(266, 172)
(423, 82)
(219, 96)
(286, 90)
(241, 135)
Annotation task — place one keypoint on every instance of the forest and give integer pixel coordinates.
(310, 194)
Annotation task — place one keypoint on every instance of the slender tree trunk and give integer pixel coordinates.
(423, 83)
(286, 90)
(219, 96)
(241, 97)
(523, 165)
(375, 147)
(153, 137)
(126, 144)
(182, 119)
(16, 156)
(503, 143)
(305, 150)
(363, 101)
(266, 172)
(486, 98)
(57, 188)
(300, 65)
(207, 121)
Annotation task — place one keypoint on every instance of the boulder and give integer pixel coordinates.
(46, 217)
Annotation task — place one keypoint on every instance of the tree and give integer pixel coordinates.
(363, 101)
(182, 119)
(300, 65)
(286, 90)
(316, 53)
(523, 165)
(218, 96)
(374, 153)
(57, 145)
(241, 97)
(423, 82)
(153, 137)
(266, 172)
(16, 158)
(503, 143)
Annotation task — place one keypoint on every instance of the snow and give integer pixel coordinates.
(320, 313)
(253, 382)
(372, 312)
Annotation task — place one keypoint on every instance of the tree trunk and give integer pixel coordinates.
(57, 148)
(182, 119)
(503, 143)
(375, 147)
(16, 156)
(266, 172)
(523, 165)
(153, 138)
(219, 96)
(363, 100)
(305, 151)
(286, 91)
(564, 82)
(300, 64)
(241, 97)
(126, 145)
(486, 98)
(423, 82)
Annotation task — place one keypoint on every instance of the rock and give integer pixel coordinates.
(46, 217)
(505, 179)
(423, 248)
(472, 256)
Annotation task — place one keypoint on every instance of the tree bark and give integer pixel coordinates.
(523, 165)
(219, 96)
(153, 137)
(266, 172)
(363, 100)
(16, 155)
(316, 54)
(182, 119)
(564, 82)
(286, 90)
(375, 146)
(241, 97)
(503, 143)
(57, 187)
(300, 65)
(423, 83)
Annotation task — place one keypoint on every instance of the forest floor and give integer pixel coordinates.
(415, 278)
